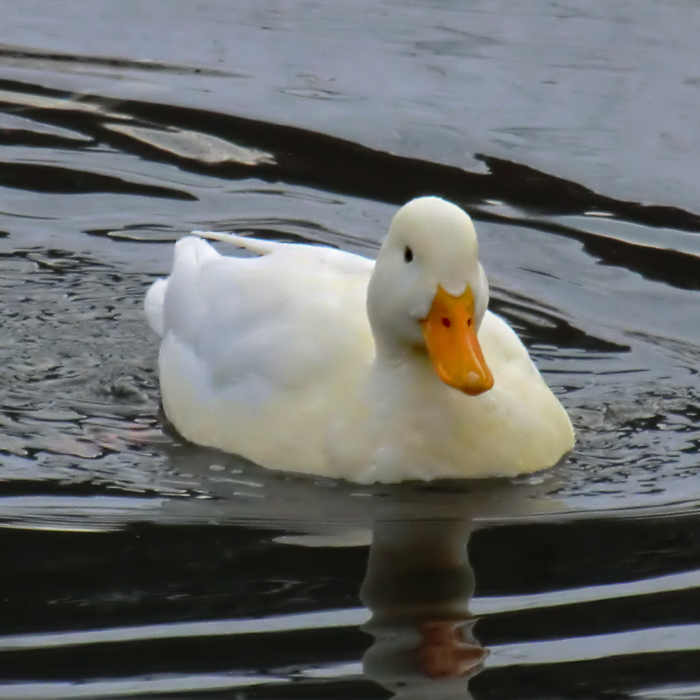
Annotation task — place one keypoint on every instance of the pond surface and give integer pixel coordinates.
(136, 564)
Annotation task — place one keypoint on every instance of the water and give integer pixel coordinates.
(136, 564)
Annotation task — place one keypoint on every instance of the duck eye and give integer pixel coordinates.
(407, 254)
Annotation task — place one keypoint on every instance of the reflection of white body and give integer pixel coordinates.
(314, 360)
(418, 586)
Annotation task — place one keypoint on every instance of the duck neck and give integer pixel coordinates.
(407, 359)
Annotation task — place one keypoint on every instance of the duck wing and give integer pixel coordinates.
(280, 318)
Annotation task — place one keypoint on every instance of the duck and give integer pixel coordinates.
(310, 359)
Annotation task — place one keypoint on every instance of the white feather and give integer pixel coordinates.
(273, 358)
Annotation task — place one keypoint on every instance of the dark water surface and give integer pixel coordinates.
(135, 564)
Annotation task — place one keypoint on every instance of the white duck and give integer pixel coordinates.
(315, 360)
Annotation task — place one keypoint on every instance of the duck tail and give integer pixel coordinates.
(153, 305)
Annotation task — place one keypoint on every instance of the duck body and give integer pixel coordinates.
(281, 358)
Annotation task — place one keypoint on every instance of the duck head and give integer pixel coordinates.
(428, 293)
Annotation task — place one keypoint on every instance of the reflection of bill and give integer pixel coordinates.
(418, 586)
(448, 650)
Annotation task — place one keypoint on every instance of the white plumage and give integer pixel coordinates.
(288, 360)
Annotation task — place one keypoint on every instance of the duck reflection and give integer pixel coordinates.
(418, 584)
(418, 587)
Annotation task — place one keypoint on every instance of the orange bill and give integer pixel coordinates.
(450, 335)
